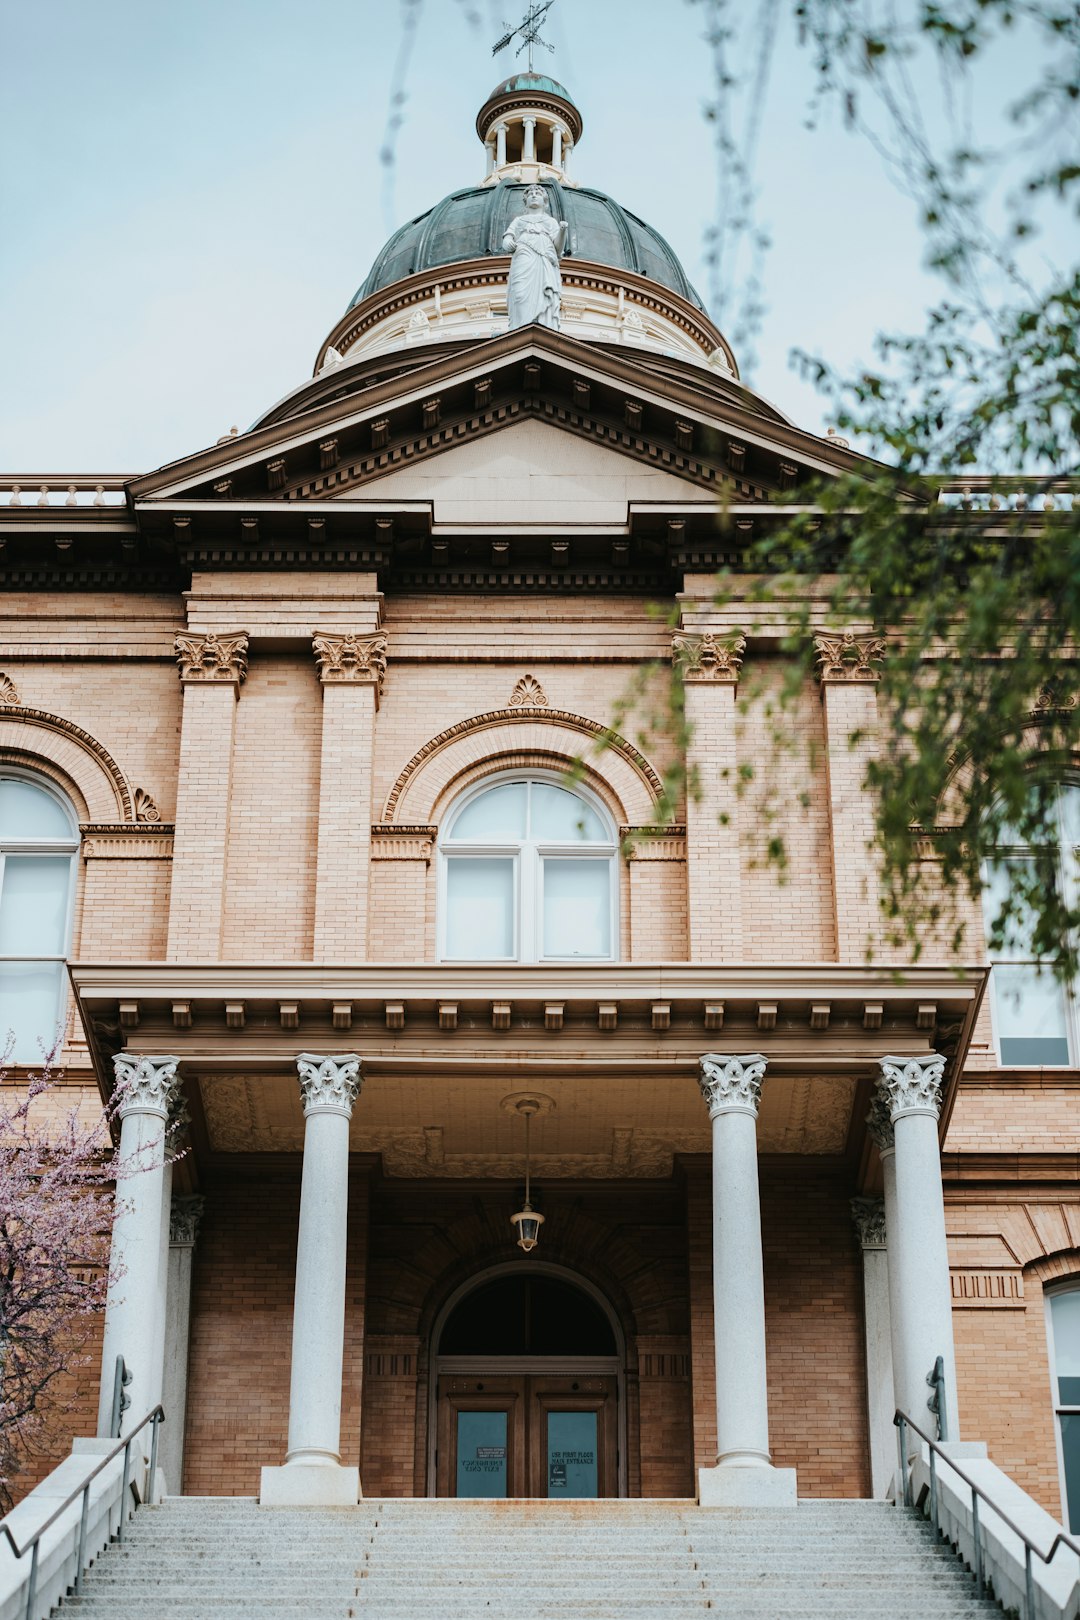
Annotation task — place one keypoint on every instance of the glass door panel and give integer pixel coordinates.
(572, 1456)
(481, 1453)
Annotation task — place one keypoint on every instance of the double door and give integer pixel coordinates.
(527, 1435)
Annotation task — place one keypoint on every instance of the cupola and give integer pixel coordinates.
(529, 127)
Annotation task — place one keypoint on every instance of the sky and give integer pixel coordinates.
(192, 191)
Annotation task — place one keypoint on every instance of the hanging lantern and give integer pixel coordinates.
(527, 1220)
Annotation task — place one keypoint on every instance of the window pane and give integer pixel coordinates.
(27, 811)
(1030, 1009)
(1065, 1317)
(577, 908)
(1000, 876)
(480, 908)
(561, 816)
(497, 815)
(1070, 1451)
(30, 1008)
(33, 905)
(481, 1454)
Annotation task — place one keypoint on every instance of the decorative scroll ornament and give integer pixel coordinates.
(879, 1124)
(185, 1216)
(708, 657)
(912, 1085)
(1053, 696)
(731, 1084)
(213, 658)
(528, 694)
(145, 1085)
(329, 1083)
(869, 1217)
(145, 808)
(849, 658)
(9, 695)
(360, 659)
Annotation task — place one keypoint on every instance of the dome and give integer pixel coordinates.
(470, 224)
(531, 81)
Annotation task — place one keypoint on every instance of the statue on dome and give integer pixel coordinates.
(534, 241)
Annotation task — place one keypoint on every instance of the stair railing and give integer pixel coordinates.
(904, 1424)
(156, 1418)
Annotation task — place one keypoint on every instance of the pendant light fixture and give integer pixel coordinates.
(527, 1220)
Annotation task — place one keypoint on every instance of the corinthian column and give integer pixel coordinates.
(731, 1087)
(313, 1473)
(919, 1287)
(146, 1087)
(869, 1217)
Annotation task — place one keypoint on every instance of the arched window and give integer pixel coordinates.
(1064, 1324)
(1034, 1015)
(38, 844)
(528, 875)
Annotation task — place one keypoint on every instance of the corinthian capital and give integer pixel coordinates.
(912, 1085)
(848, 657)
(879, 1123)
(708, 657)
(869, 1217)
(145, 1085)
(184, 1217)
(732, 1084)
(213, 658)
(352, 659)
(329, 1084)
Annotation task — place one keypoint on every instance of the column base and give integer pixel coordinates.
(729, 1485)
(309, 1485)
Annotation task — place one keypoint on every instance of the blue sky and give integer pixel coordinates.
(192, 193)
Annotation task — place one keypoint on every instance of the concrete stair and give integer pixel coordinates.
(205, 1558)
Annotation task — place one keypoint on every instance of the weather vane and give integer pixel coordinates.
(529, 29)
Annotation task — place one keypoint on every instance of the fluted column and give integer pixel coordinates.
(919, 1287)
(731, 1087)
(351, 670)
(868, 1215)
(313, 1473)
(147, 1086)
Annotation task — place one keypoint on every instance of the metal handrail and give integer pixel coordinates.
(1062, 1539)
(157, 1418)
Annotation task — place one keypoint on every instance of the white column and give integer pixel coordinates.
(556, 147)
(528, 140)
(147, 1086)
(500, 145)
(489, 153)
(313, 1473)
(869, 1217)
(731, 1086)
(920, 1292)
(185, 1215)
(567, 149)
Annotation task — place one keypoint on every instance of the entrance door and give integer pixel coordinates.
(534, 1434)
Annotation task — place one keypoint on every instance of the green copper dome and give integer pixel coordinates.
(531, 81)
(470, 225)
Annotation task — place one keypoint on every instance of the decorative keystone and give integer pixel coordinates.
(732, 1084)
(329, 1084)
(213, 658)
(145, 1085)
(708, 657)
(912, 1085)
(351, 660)
(848, 657)
(869, 1217)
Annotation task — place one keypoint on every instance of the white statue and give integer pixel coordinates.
(534, 240)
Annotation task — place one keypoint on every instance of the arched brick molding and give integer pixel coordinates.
(502, 738)
(74, 759)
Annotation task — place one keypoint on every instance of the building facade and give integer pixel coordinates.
(336, 801)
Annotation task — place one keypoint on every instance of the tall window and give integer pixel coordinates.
(1035, 1017)
(38, 844)
(528, 874)
(1065, 1367)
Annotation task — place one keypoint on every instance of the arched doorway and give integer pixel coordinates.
(527, 1391)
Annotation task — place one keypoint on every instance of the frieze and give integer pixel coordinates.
(213, 658)
(849, 657)
(124, 840)
(401, 842)
(654, 843)
(993, 1290)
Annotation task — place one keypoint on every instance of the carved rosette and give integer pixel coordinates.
(212, 658)
(879, 1124)
(185, 1215)
(869, 1217)
(350, 660)
(912, 1085)
(849, 657)
(329, 1084)
(708, 657)
(145, 1085)
(732, 1084)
